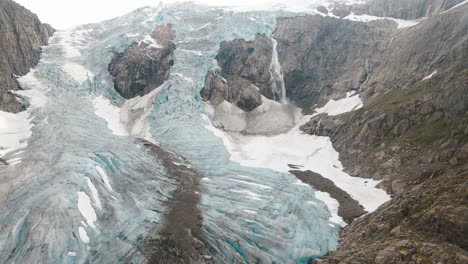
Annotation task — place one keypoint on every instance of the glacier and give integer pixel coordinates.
(87, 190)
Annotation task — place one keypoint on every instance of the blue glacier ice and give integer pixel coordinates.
(250, 215)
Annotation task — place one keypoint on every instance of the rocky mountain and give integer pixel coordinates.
(20, 49)
(144, 66)
(243, 74)
(411, 134)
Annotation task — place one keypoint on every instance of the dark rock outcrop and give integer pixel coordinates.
(243, 75)
(412, 134)
(144, 66)
(348, 208)
(22, 35)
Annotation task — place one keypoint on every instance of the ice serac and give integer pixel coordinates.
(145, 65)
(22, 35)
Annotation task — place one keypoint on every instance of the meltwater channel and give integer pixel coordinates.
(83, 194)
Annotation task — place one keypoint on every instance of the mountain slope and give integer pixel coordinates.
(20, 48)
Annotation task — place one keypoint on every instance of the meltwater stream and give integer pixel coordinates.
(85, 195)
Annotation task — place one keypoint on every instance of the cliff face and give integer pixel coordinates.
(144, 66)
(22, 35)
(413, 135)
(243, 74)
(406, 9)
(324, 57)
(412, 132)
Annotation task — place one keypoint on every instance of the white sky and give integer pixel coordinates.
(65, 13)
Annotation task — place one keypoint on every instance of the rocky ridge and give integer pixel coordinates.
(242, 75)
(144, 66)
(412, 134)
(23, 35)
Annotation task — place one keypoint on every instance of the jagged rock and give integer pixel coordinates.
(22, 35)
(144, 66)
(420, 124)
(243, 75)
(323, 57)
(249, 60)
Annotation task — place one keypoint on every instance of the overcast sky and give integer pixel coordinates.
(65, 13)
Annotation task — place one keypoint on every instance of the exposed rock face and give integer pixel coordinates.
(323, 57)
(412, 134)
(405, 9)
(144, 66)
(243, 75)
(22, 35)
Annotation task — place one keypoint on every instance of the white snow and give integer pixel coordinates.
(111, 114)
(71, 254)
(83, 235)
(456, 6)
(332, 205)
(349, 103)
(35, 90)
(368, 18)
(104, 178)
(86, 210)
(135, 111)
(311, 152)
(15, 129)
(430, 75)
(148, 39)
(94, 193)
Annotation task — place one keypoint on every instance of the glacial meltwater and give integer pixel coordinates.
(85, 191)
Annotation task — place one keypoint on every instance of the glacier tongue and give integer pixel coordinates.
(249, 214)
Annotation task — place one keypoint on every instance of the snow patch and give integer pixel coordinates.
(294, 147)
(14, 130)
(430, 75)
(456, 6)
(94, 193)
(86, 210)
(83, 235)
(135, 111)
(332, 205)
(368, 18)
(104, 178)
(111, 114)
(71, 254)
(350, 103)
